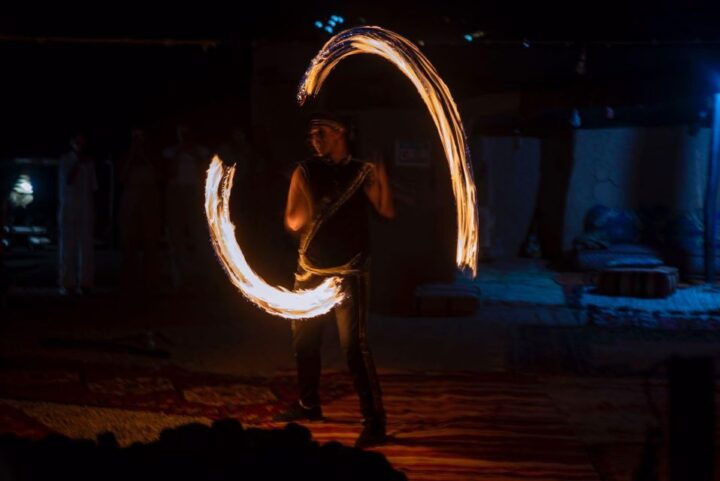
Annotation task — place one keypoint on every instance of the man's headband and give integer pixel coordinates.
(329, 123)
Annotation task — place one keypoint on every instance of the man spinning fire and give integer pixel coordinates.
(327, 206)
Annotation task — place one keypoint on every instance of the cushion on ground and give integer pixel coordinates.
(634, 249)
(612, 237)
(625, 255)
(615, 225)
(635, 261)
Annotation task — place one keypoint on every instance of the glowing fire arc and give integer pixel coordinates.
(446, 117)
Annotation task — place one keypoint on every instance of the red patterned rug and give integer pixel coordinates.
(167, 389)
(443, 426)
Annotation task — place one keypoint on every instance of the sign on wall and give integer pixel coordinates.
(410, 153)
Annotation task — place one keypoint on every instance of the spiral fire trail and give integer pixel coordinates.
(275, 300)
(441, 106)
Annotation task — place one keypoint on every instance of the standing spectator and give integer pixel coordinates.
(76, 218)
(4, 274)
(139, 216)
(185, 164)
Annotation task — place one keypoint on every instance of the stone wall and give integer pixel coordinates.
(636, 167)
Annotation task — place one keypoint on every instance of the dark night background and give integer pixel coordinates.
(590, 127)
(48, 88)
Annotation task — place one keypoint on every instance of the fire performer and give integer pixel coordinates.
(327, 206)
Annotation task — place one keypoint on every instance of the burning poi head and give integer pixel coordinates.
(441, 106)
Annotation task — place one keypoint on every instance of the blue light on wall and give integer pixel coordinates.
(329, 26)
(711, 196)
(474, 35)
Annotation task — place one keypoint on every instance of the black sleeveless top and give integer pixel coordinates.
(346, 232)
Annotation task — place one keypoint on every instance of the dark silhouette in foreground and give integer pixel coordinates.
(225, 451)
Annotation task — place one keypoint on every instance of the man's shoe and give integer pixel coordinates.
(373, 434)
(299, 413)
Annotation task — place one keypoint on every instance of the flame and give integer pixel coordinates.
(275, 300)
(405, 56)
(440, 104)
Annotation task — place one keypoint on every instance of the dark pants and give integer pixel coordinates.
(351, 317)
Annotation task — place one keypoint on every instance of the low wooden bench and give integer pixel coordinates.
(659, 281)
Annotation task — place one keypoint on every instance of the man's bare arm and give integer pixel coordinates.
(298, 211)
(377, 188)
